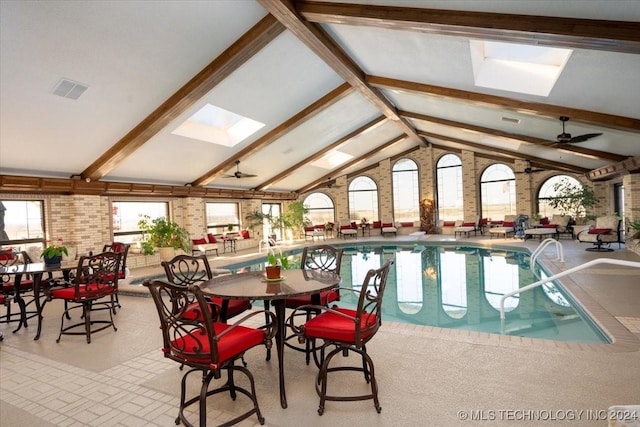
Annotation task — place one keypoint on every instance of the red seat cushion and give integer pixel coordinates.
(199, 241)
(330, 326)
(468, 224)
(544, 220)
(448, 223)
(600, 231)
(86, 291)
(406, 224)
(508, 224)
(549, 226)
(235, 306)
(211, 238)
(24, 285)
(387, 224)
(7, 255)
(230, 345)
(244, 234)
(377, 224)
(118, 247)
(325, 298)
(309, 229)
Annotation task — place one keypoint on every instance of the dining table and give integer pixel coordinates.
(255, 286)
(37, 270)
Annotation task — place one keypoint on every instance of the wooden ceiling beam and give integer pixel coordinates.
(630, 165)
(627, 124)
(68, 186)
(540, 161)
(226, 63)
(307, 113)
(316, 39)
(318, 154)
(518, 137)
(320, 182)
(615, 36)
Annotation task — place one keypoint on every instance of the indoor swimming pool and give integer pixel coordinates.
(460, 287)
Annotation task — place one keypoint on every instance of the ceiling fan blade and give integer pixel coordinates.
(244, 175)
(582, 138)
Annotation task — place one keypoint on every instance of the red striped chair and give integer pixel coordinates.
(344, 330)
(206, 346)
(323, 258)
(95, 281)
(186, 270)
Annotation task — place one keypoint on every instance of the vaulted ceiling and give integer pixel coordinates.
(370, 79)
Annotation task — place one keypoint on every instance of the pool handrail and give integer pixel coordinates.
(542, 246)
(559, 275)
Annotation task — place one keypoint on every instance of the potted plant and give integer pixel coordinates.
(295, 218)
(275, 264)
(633, 239)
(573, 200)
(164, 235)
(52, 254)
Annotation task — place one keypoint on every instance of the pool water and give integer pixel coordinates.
(459, 287)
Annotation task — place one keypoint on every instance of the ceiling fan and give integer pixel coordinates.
(528, 169)
(238, 174)
(331, 184)
(565, 138)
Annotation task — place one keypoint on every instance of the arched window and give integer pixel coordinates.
(453, 284)
(405, 190)
(363, 199)
(321, 208)
(500, 278)
(449, 177)
(498, 191)
(548, 190)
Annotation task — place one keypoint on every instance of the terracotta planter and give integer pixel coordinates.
(272, 271)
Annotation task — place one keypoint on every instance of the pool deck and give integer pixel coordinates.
(427, 375)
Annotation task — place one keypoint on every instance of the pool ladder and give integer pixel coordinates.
(559, 275)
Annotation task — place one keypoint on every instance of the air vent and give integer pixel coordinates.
(69, 89)
(510, 120)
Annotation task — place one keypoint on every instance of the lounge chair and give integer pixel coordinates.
(467, 227)
(605, 232)
(507, 227)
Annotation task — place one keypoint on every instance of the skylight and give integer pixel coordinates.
(331, 160)
(216, 125)
(528, 69)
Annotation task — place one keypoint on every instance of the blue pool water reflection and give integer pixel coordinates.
(460, 288)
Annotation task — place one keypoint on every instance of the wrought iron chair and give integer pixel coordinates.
(95, 278)
(122, 248)
(324, 258)
(343, 330)
(206, 346)
(185, 270)
(16, 291)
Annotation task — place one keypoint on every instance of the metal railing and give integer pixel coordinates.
(542, 246)
(559, 275)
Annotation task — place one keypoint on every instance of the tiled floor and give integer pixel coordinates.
(427, 376)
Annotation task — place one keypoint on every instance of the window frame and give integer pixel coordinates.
(413, 212)
(134, 236)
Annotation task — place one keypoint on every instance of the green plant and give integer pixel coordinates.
(634, 226)
(162, 233)
(280, 259)
(54, 250)
(230, 227)
(572, 199)
(536, 217)
(295, 218)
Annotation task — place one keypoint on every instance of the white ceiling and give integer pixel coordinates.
(135, 55)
